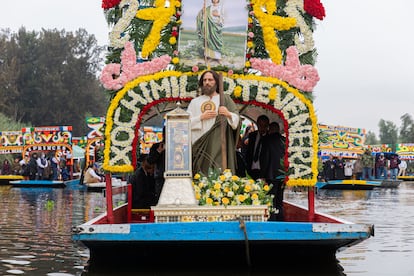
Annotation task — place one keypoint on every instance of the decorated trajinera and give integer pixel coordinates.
(265, 54)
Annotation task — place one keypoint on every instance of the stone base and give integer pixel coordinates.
(210, 213)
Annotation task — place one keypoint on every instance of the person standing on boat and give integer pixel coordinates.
(272, 169)
(205, 126)
(255, 159)
(367, 164)
(54, 163)
(394, 162)
(143, 186)
(6, 168)
(41, 165)
(348, 169)
(358, 168)
(339, 167)
(402, 168)
(380, 167)
(329, 168)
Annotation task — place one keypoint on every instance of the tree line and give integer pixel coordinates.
(50, 78)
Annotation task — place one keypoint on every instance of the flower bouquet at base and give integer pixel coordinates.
(226, 189)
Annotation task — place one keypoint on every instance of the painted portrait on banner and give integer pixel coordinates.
(213, 33)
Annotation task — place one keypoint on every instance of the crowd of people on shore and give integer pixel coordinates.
(365, 167)
(40, 166)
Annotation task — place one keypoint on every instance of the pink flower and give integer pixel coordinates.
(251, 34)
(230, 72)
(194, 68)
(304, 77)
(130, 69)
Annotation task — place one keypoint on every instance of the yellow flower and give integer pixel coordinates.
(209, 201)
(198, 196)
(249, 44)
(217, 186)
(175, 60)
(197, 176)
(235, 178)
(222, 177)
(225, 200)
(247, 64)
(237, 91)
(255, 196)
(241, 198)
(272, 93)
(247, 188)
(266, 188)
(172, 40)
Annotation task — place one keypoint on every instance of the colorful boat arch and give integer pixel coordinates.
(126, 111)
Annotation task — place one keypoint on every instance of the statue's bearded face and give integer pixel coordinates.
(208, 90)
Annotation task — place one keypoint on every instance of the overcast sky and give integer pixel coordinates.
(365, 53)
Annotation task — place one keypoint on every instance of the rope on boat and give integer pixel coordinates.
(246, 241)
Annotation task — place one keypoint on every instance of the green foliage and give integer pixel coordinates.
(388, 132)
(50, 77)
(406, 129)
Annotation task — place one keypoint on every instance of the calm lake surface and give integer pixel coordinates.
(36, 223)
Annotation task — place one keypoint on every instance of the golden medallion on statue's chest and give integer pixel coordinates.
(208, 105)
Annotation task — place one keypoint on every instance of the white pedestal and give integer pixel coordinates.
(177, 192)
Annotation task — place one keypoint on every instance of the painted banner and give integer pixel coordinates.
(96, 125)
(11, 142)
(379, 148)
(149, 136)
(340, 140)
(47, 138)
(405, 151)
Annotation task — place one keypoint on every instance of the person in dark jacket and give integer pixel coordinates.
(254, 154)
(143, 187)
(272, 169)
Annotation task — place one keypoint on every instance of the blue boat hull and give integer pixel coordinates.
(237, 243)
(348, 185)
(38, 183)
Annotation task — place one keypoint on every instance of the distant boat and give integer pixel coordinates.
(5, 179)
(348, 184)
(38, 183)
(406, 177)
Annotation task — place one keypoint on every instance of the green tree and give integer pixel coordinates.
(406, 129)
(388, 133)
(50, 77)
(371, 139)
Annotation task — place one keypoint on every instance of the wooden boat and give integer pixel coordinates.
(178, 233)
(99, 186)
(406, 177)
(38, 183)
(134, 235)
(350, 184)
(5, 179)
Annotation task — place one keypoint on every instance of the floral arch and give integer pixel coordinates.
(127, 109)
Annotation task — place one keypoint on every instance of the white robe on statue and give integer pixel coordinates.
(198, 127)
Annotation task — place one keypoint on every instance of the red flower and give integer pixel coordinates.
(107, 4)
(314, 8)
(174, 33)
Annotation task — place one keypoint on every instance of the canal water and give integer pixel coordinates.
(36, 223)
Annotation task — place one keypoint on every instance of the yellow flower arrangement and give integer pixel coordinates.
(230, 190)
